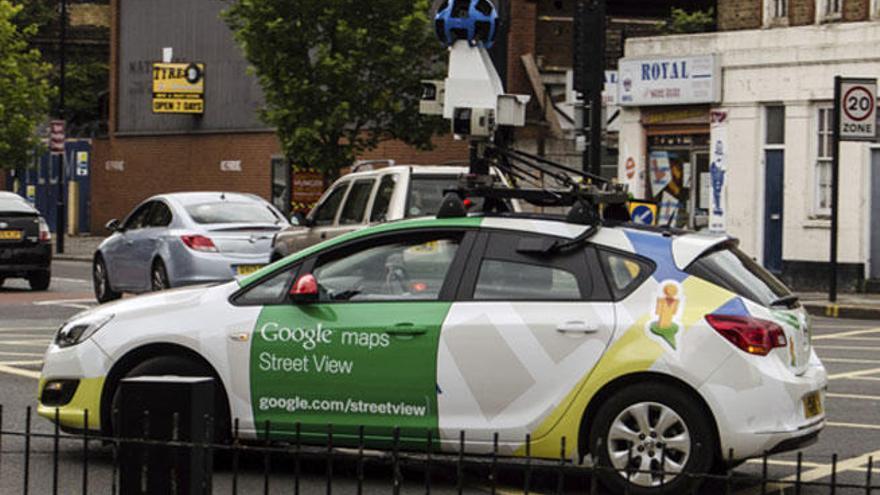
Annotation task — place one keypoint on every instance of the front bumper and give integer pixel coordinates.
(83, 368)
(758, 404)
(18, 261)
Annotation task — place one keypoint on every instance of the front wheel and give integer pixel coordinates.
(39, 281)
(101, 282)
(159, 277)
(647, 436)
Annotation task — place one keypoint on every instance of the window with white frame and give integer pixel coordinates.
(824, 150)
(775, 10)
(875, 8)
(830, 9)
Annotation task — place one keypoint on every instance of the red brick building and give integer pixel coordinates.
(146, 154)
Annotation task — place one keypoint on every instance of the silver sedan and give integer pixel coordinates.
(180, 239)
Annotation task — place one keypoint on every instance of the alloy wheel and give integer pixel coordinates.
(645, 436)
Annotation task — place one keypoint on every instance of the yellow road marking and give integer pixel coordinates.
(831, 336)
(26, 342)
(31, 354)
(27, 329)
(848, 360)
(21, 363)
(854, 396)
(850, 464)
(777, 462)
(9, 370)
(851, 374)
(848, 347)
(865, 378)
(857, 426)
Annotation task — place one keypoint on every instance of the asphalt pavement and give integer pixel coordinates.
(28, 320)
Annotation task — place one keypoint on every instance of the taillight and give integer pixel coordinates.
(199, 243)
(45, 233)
(752, 335)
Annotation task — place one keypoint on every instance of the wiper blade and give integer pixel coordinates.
(788, 300)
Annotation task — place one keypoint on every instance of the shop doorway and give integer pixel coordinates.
(774, 164)
(875, 214)
(679, 179)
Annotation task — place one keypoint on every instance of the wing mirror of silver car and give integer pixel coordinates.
(299, 220)
(112, 225)
(304, 290)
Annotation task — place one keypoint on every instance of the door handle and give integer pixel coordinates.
(407, 329)
(576, 327)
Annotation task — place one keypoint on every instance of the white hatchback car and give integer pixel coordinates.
(633, 346)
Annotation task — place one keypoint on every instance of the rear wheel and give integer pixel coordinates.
(648, 429)
(101, 282)
(181, 366)
(39, 280)
(159, 276)
(2, 281)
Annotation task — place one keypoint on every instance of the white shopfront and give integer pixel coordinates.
(742, 121)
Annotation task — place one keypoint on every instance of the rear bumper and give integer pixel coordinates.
(192, 268)
(20, 260)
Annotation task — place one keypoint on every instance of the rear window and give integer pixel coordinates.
(231, 212)
(733, 270)
(11, 205)
(426, 193)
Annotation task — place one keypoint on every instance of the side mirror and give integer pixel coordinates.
(305, 290)
(299, 220)
(112, 225)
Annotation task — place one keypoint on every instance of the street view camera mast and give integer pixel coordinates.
(472, 98)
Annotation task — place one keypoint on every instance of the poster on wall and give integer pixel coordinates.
(669, 206)
(661, 171)
(307, 188)
(718, 171)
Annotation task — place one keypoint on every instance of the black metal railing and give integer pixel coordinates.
(55, 462)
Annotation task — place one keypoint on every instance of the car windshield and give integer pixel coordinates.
(426, 193)
(231, 212)
(732, 269)
(15, 206)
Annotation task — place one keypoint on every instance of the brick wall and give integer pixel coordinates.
(801, 12)
(523, 17)
(3, 180)
(856, 10)
(734, 15)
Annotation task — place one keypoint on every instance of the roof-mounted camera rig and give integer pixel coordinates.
(472, 98)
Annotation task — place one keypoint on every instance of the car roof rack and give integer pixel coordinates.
(594, 200)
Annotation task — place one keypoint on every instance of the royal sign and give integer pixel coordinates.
(179, 88)
(669, 81)
(858, 105)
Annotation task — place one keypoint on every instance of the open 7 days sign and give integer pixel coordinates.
(858, 109)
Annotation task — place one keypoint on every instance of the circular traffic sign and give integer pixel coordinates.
(643, 215)
(858, 103)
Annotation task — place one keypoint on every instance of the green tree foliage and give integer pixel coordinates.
(24, 89)
(339, 76)
(683, 22)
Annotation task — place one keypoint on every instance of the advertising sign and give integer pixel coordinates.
(307, 188)
(858, 104)
(179, 88)
(718, 171)
(669, 81)
(661, 171)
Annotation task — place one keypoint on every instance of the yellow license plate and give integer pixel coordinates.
(247, 269)
(11, 235)
(812, 404)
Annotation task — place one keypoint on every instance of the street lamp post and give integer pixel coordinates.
(60, 211)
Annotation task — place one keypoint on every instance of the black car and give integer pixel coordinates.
(25, 243)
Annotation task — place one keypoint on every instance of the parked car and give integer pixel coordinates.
(173, 240)
(25, 243)
(636, 346)
(371, 195)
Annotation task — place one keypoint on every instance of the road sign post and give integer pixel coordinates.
(57, 137)
(855, 119)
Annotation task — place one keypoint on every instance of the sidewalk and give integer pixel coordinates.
(78, 248)
(856, 306)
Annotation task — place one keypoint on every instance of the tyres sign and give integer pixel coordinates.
(858, 104)
(179, 88)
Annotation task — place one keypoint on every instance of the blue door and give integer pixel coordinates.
(773, 209)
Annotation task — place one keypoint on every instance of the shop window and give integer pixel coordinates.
(775, 125)
(875, 9)
(824, 150)
(775, 12)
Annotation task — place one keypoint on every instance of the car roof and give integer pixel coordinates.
(189, 198)
(452, 170)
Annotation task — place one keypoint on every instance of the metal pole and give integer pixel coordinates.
(60, 212)
(597, 83)
(835, 189)
(589, 72)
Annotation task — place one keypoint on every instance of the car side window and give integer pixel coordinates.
(400, 269)
(624, 273)
(383, 198)
(513, 281)
(326, 211)
(139, 218)
(356, 204)
(160, 215)
(272, 290)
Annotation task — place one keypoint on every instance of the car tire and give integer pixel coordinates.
(2, 281)
(626, 432)
(181, 366)
(101, 282)
(159, 276)
(39, 281)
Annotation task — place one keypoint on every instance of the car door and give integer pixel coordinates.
(323, 219)
(141, 246)
(365, 353)
(526, 328)
(353, 214)
(118, 254)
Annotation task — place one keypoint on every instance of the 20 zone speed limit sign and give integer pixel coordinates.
(858, 105)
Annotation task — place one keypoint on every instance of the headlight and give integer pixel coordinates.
(78, 330)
